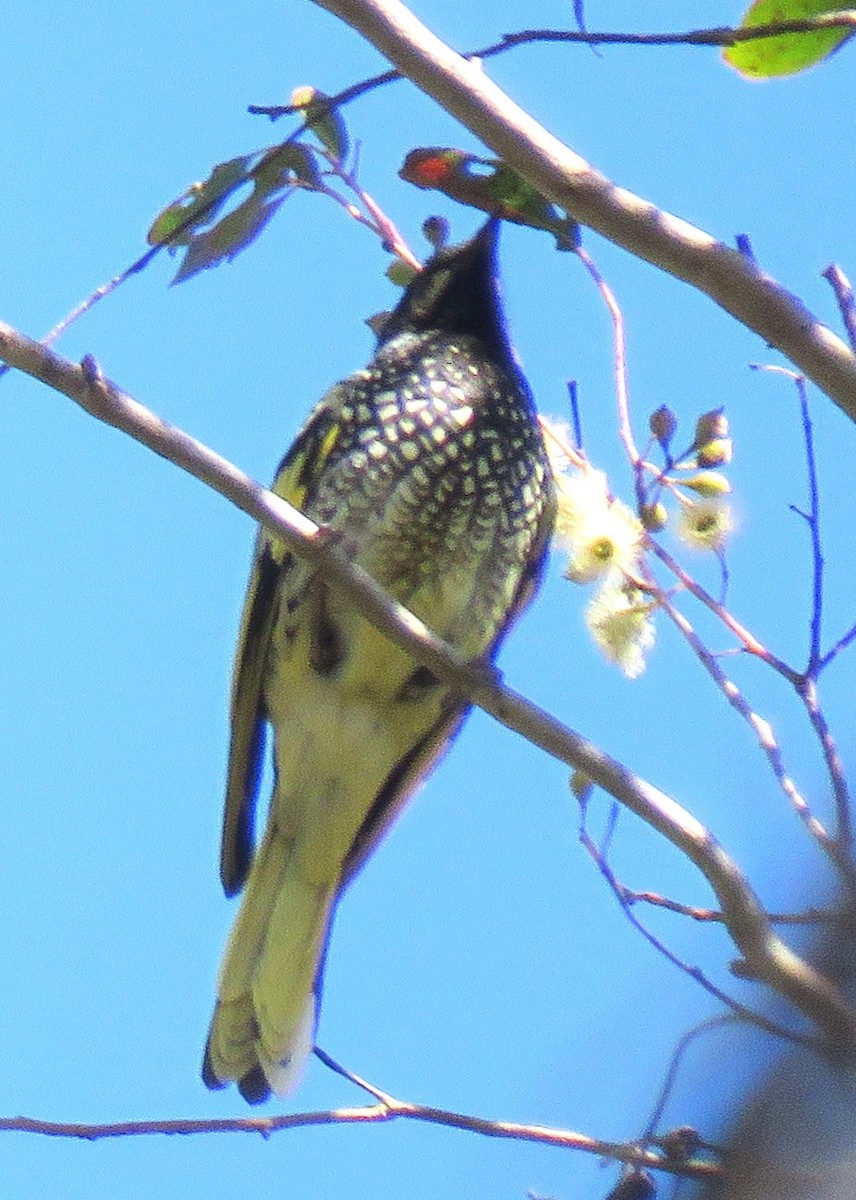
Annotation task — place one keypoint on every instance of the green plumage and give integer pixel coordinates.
(430, 466)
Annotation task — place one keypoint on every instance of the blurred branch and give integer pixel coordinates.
(730, 278)
(678, 1054)
(811, 916)
(767, 958)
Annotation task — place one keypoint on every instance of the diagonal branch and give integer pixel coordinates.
(730, 278)
(766, 957)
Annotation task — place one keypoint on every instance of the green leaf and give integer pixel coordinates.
(285, 165)
(326, 123)
(787, 53)
(190, 220)
(400, 273)
(228, 237)
(179, 221)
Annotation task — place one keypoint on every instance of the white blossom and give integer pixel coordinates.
(706, 524)
(619, 621)
(602, 536)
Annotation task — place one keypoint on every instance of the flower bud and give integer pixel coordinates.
(400, 273)
(581, 786)
(663, 424)
(715, 453)
(436, 231)
(711, 425)
(709, 484)
(654, 517)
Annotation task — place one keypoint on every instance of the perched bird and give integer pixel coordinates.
(430, 467)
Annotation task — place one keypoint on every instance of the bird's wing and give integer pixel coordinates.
(272, 562)
(406, 777)
(415, 767)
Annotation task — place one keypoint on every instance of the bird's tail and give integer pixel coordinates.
(263, 1027)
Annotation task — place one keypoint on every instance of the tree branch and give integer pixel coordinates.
(730, 278)
(767, 958)
(723, 35)
(388, 1109)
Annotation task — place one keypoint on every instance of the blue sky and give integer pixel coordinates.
(479, 962)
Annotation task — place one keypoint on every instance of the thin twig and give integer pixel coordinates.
(806, 682)
(840, 285)
(377, 221)
(837, 648)
(812, 517)
(808, 693)
(811, 916)
(599, 857)
(722, 36)
(684, 1043)
(748, 641)
(763, 731)
(346, 1073)
(619, 357)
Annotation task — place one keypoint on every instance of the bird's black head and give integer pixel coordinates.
(457, 292)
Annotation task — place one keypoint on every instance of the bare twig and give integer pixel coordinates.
(840, 285)
(763, 731)
(599, 856)
(747, 640)
(837, 648)
(382, 1112)
(806, 682)
(812, 518)
(835, 770)
(808, 690)
(767, 957)
(684, 1043)
(619, 356)
(722, 36)
(811, 916)
(377, 221)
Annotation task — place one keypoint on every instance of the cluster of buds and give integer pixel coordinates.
(605, 541)
(705, 518)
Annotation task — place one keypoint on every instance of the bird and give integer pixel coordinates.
(429, 469)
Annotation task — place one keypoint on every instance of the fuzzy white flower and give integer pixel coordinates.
(601, 535)
(558, 441)
(619, 621)
(706, 524)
